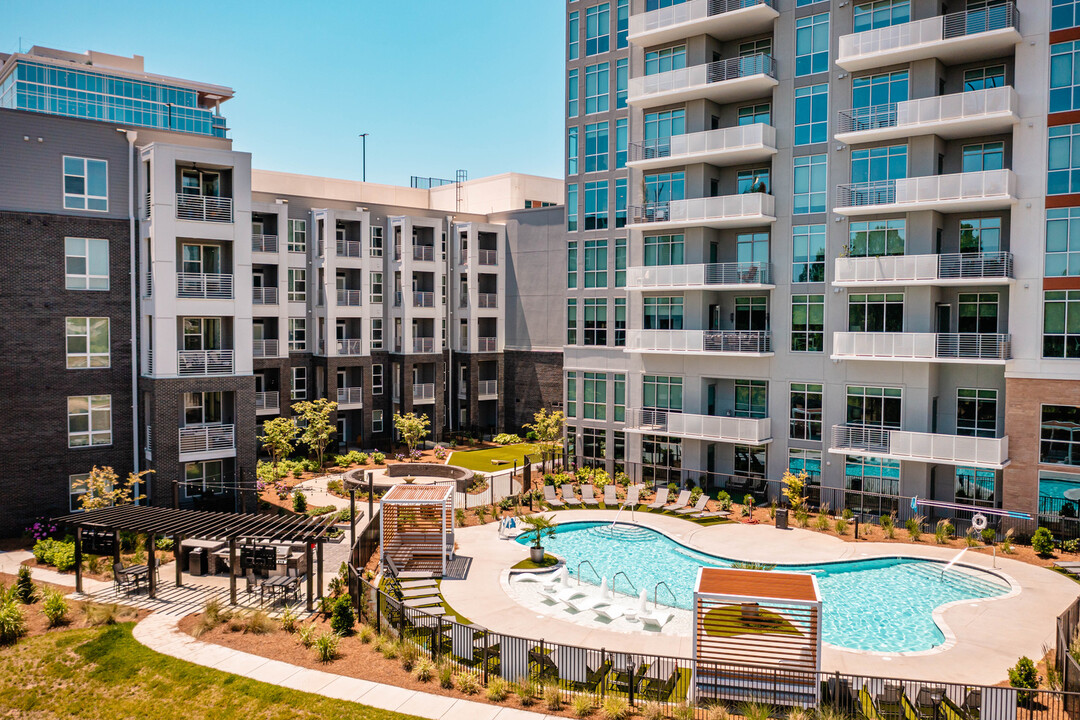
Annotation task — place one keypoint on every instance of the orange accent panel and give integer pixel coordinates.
(1063, 201)
(1065, 35)
(1061, 283)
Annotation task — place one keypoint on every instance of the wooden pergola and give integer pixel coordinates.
(233, 528)
(418, 527)
(757, 634)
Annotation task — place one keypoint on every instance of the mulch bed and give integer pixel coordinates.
(36, 622)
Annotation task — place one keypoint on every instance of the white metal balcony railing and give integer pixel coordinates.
(709, 427)
(707, 275)
(350, 396)
(268, 400)
(423, 252)
(205, 208)
(487, 344)
(487, 300)
(701, 76)
(705, 341)
(350, 248)
(264, 347)
(921, 447)
(264, 295)
(423, 344)
(147, 205)
(209, 286)
(948, 268)
(350, 346)
(487, 387)
(972, 188)
(689, 12)
(350, 298)
(204, 362)
(264, 243)
(423, 299)
(489, 257)
(726, 210)
(931, 112)
(423, 391)
(207, 438)
(922, 39)
(732, 141)
(922, 346)
(148, 287)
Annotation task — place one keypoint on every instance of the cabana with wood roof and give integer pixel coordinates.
(757, 636)
(418, 527)
(101, 528)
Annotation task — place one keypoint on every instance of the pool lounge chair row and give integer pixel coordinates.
(682, 506)
(588, 496)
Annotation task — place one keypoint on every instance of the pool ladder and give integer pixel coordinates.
(586, 562)
(656, 590)
(628, 582)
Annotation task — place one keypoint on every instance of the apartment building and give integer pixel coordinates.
(829, 248)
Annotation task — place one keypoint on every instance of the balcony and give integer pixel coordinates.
(716, 212)
(489, 257)
(208, 286)
(148, 286)
(350, 346)
(264, 243)
(487, 300)
(350, 398)
(423, 299)
(487, 389)
(995, 268)
(958, 192)
(267, 402)
(991, 453)
(973, 348)
(967, 114)
(423, 345)
(487, 344)
(350, 248)
(423, 392)
(204, 208)
(728, 146)
(955, 38)
(264, 296)
(752, 431)
(349, 298)
(711, 276)
(722, 19)
(204, 362)
(746, 343)
(207, 440)
(425, 253)
(264, 347)
(723, 81)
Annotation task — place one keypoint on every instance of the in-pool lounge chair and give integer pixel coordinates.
(661, 499)
(680, 502)
(658, 618)
(568, 495)
(563, 593)
(699, 506)
(588, 495)
(551, 498)
(610, 499)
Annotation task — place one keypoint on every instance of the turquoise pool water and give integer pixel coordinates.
(884, 605)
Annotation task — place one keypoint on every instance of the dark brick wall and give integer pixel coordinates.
(34, 380)
(532, 380)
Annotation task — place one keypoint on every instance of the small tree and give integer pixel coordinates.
(548, 428)
(412, 428)
(540, 527)
(277, 439)
(794, 487)
(1042, 542)
(104, 489)
(317, 428)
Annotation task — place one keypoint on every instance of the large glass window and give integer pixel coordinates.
(663, 313)
(1065, 76)
(1062, 253)
(86, 264)
(882, 13)
(807, 323)
(882, 89)
(810, 184)
(811, 114)
(571, 394)
(297, 334)
(808, 253)
(980, 235)
(573, 34)
(297, 285)
(752, 313)
(876, 312)
(801, 460)
(665, 187)
(975, 486)
(89, 420)
(596, 88)
(984, 156)
(662, 392)
(752, 247)
(620, 202)
(1061, 324)
(594, 395)
(874, 238)
(622, 24)
(572, 151)
(620, 262)
(805, 411)
(1063, 161)
(622, 82)
(976, 412)
(1064, 14)
(571, 266)
(880, 163)
(879, 407)
(752, 398)
(375, 284)
(297, 242)
(659, 128)
(571, 206)
(872, 475)
(666, 60)
(750, 460)
(596, 147)
(572, 93)
(992, 76)
(596, 262)
(594, 446)
(620, 397)
(978, 313)
(751, 114)
(622, 138)
(597, 29)
(811, 44)
(87, 342)
(1060, 435)
(571, 321)
(664, 250)
(86, 184)
(620, 322)
(661, 459)
(596, 205)
(752, 180)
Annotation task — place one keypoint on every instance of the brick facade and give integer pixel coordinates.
(531, 380)
(1023, 417)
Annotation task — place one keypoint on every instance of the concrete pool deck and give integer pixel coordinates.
(990, 635)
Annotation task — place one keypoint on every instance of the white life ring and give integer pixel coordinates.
(978, 521)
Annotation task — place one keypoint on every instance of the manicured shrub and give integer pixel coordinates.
(12, 622)
(299, 502)
(1024, 675)
(468, 682)
(25, 589)
(55, 608)
(326, 647)
(615, 708)
(506, 439)
(582, 705)
(497, 689)
(378, 458)
(424, 670)
(1042, 542)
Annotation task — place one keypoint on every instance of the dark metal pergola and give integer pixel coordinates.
(182, 524)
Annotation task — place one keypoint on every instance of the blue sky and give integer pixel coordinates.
(475, 84)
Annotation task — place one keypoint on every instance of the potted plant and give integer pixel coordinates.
(540, 527)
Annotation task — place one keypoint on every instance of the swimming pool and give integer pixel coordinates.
(882, 605)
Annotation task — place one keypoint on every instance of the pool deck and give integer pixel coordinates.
(989, 635)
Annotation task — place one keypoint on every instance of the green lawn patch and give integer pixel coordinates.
(729, 621)
(105, 673)
(528, 564)
(480, 460)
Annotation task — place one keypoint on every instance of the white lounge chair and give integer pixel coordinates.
(561, 595)
(680, 502)
(558, 579)
(568, 495)
(610, 499)
(658, 618)
(588, 601)
(632, 493)
(699, 506)
(588, 495)
(661, 499)
(611, 611)
(551, 498)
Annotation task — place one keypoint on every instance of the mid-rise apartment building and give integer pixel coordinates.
(825, 236)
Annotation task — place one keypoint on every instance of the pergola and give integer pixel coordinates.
(418, 526)
(757, 633)
(233, 528)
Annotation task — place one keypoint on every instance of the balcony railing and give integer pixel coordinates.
(687, 82)
(733, 141)
(922, 346)
(204, 362)
(723, 211)
(423, 299)
(211, 286)
(423, 391)
(423, 252)
(489, 257)
(463, 300)
(264, 347)
(148, 286)
(707, 427)
(708, 275)
(350, 396)
(921, 447)
(487, 300)
(207, 438)
(487, 344)
(204, 208)
(487, 387)
(147, 206)
(690, 12)
(350, 248)
(931, 112)
(267, 401)
(949, 268)
(264, 295)
(350, 298)
(423, 345)
(264, 243)
(988, 188)
(704, 341)
(350, 346)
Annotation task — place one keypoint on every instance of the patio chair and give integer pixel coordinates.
(867, 705)
(561, 595)
(546, 667)
(658, 618)
(680, 502)
(251, 583)
(588, 495)
(568, 495)
(551, 498)
(123, 580)
(609, 612)
(661, 499)
(632, 493)
(929, 700)
(890, 702)
(698, 507)
(611, 500)
(588, 601)
(661, 691)
(972, 705)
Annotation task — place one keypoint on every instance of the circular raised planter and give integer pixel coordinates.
(397, 473)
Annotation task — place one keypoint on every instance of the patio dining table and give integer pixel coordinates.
(281, 586)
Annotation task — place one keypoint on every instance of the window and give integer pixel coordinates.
(572, 93)
(1061, 175)
(659, 128)
(377, 379)
(810, 188)
(87, 342)
(76, 489)
(376, 333)
(808, 253)
(594, 446)
(976, 412)
(595, 321)
(622, 23)
(297, 334)
(572, 151)
(89, 420)
(975, 486)
(571, 206)
(571, 266)
(984, 156)
(620, 262)
(622, 82)
(202, 333)
(664, 250)
(376, 240)
(811, 44)
(594, 396)
(86, 184)
(754, 180)
(983, 78)
(598, 29)
(751, 313)
(571, 321)
(807, 323)
(297, 285)
(200, 477)
(1065, 14)
(661, 392)
(881, 163)
(299, 383)
(596, 88)
(571, 441)
(751, 398)
(596, 147)
(874, 407)
(811, 114)
(596, 262)
(752, 248)
(596, 210)
(872, 475)
(376, 421)
(1062, 256)
(663, 313)
(805, 411)
(202, 408)
(620, 202)
(573, 34)
(750, 460)
(86, 264)
(298, 236)
(661, 459)
(621, 141)
(1064, 76)
(571, 394)
(883, 13)
(665, 187)
(875, 238)
(1061, 324)
(666, 60)
(750, 114)
(801, 460)
(884, 89)
(755, 47)
(620, 322)
(1060, 434)
(877, 312)
(978, 313)
(620, 398)
(375, 280)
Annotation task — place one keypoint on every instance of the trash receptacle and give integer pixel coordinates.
(781, 518)
(197, 561)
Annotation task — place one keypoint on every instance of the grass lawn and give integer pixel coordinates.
(105, 673)
(528, 564)
(480, 460)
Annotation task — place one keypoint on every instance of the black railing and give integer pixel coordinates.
(368, 542)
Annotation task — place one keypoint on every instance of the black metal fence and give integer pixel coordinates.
(1067, 667)
(368, 542)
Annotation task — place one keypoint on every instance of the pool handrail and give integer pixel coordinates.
(628, 581)
(656, 590)
(586, 562)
